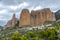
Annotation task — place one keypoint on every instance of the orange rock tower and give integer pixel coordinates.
(24, 18)
(35, 18)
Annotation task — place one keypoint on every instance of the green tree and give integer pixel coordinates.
(24, 37)
(41, 33)
(37, 38)
(16, 36)
(49, 34)
(52, 34)
(31, 34)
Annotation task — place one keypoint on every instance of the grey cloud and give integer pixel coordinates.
(11, 2)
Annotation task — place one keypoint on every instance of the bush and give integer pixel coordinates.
(24, 37)
(16, 36)
(31, 34)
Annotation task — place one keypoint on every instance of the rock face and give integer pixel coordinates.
(24, 18)
(57, 14)
(40, 16)
(11, 22)
(14, 20)
(35, 18)
(53, 18)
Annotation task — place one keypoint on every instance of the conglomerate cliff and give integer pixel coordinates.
(33, 18)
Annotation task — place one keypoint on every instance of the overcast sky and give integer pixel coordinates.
(8, 7)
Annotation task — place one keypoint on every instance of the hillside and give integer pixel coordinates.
(30, 34)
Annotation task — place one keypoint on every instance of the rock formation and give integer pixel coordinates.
(40, 16)
(14, 20)
(24, 18)
(35, 18)
(57, 14)
(11, 22)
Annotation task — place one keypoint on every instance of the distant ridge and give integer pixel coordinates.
(57, 14)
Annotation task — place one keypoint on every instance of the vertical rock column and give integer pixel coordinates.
(24, 18)
(48, 14)
(14, 20)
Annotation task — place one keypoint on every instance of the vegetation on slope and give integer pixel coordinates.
(16, 33)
